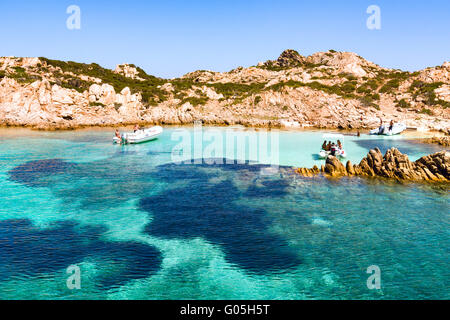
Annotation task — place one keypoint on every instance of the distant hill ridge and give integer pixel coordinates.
(326, 89)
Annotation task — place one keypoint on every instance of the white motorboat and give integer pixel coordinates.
(339, 153)
(323, 154)
(140, 136)
(396, 129)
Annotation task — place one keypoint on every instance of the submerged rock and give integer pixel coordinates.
(394, 165)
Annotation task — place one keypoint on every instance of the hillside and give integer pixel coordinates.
(325, 90)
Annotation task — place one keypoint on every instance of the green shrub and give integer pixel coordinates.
(367, 101)
(272, 67)
(236, 90)
(363, 89)
(148, 88)
(426, 111)
(310, 65)
(373, 84)
(415, 85)
(335, 89)
(390, 86)
(399, 75)
(403, 104)
(96, 104)
(368, 86)
(348, 86)
(195, 101)
(257, 99)
(20, 75)
(426, 90)
(19, 69)
(444, 104)
(421, 87)
(182, 84)
(348, 76)
(376, 96)
(290, 83)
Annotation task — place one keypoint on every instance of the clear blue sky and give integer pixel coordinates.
(172, 37)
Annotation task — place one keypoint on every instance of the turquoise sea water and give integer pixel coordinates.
(141, 226)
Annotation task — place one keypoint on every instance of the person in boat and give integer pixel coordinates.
(333, 149)
(324, 145)
(328, 146)
(136, 128)
(381, 129)
(391, 125)
(118, 135)
(339, 144)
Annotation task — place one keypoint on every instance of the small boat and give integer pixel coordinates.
(339, 153)
(396, 129)
(140, 136)
(323, 154)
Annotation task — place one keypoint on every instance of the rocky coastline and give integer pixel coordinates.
(434, 168)
(443, 141)
(332, 90)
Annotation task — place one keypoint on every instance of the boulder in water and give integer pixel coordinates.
(394, 165)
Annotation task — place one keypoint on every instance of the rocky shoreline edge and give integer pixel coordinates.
(434, 168)
(443, 141)
(440, 140)
(326, 90)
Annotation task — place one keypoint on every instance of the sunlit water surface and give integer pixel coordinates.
(140, 226)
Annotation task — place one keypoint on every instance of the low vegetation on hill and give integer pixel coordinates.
(346, 85)
(292, 87)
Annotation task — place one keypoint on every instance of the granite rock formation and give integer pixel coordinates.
(393, 165)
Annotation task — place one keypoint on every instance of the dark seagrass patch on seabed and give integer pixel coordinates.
(26, 250)
(32, 173)
(208, 210)
(198, 209)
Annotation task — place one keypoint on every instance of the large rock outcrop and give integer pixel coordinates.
(128, 71)
(47, 106)
(393, 165)
(344, 62)
(289, 58)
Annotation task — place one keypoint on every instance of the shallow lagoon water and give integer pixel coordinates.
(143, 227)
